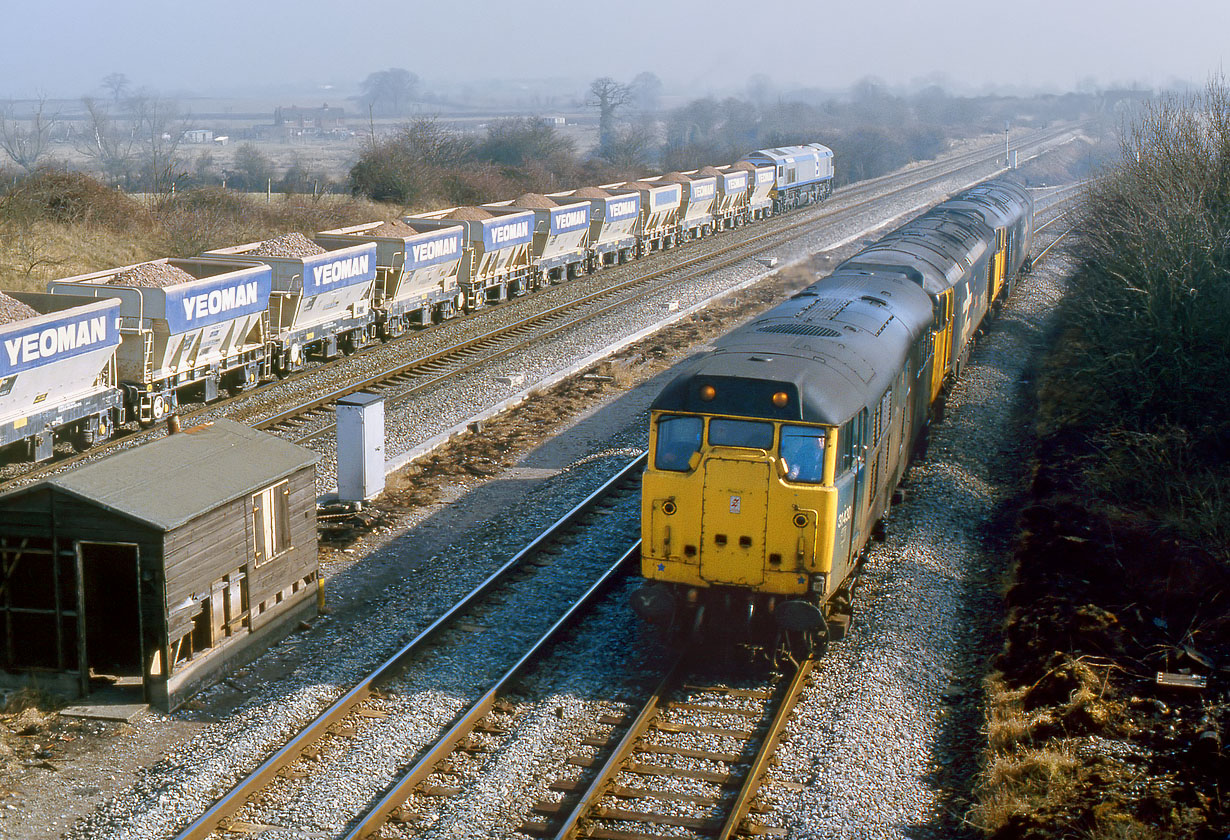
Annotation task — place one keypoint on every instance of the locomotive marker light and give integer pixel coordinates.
(780, 399)
(707, 392)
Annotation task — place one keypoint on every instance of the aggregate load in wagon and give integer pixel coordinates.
(12, 310)
(287, 245)
(591, 192)
(469, 214)
(151, 275)
(393, 228)
(534, 201)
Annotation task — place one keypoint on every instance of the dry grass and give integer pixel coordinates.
(57, 225)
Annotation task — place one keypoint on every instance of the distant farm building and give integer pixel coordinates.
(293, 122)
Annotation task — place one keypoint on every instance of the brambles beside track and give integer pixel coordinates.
(1123, 561)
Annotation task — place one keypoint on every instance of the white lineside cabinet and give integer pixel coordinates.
(360, 447)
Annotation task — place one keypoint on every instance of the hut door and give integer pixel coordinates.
(111, 608)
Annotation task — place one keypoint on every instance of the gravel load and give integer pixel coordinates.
(287, 245)
(12, 310)
(591, 192)
(675, 178)
(709, 171)
(393, 228)
(534, 201)
(743, 166)
(151, 275)
(469, 214)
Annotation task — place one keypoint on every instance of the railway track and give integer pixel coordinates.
(503, 341)
(370, 704)
(645, 762)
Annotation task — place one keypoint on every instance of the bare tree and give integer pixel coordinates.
(108, 141)
(159, 128)
(608, 96)
(389, 92)
(759, 88)
(253, 166)
(116, 83)
(630, 148)
(25, 141)
(646, 91)
(516, 141)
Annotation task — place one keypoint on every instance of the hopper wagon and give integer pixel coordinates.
(695, 204)
(188, 328)
(761, 179)
(495, 256)
(57, 373)
(730, 206)
(416, 271)
(561, 234)
(660, 205)
(614, 218)
(320, 301)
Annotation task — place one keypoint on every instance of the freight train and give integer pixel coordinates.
(775, 456)
(189, 329)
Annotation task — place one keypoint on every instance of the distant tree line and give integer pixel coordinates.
(871, 130)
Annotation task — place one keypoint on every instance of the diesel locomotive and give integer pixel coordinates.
(774, 456)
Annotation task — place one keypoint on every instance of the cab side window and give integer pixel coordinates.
(846, 453)
(678, 441)
(802, 448)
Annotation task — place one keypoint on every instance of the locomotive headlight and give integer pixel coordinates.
(707, 392)
(818, 582)
(780, 399)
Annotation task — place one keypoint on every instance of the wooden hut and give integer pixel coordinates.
(160, 566)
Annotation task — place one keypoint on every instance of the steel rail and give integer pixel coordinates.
(1056, 241)
(623, 750)
(768, 747)
(230, 803)
(379, 813)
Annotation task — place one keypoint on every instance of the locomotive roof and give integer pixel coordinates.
(791, 154)
(935, 249)
(834, 348)
(999, 203)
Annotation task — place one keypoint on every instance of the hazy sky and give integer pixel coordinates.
(65, 48)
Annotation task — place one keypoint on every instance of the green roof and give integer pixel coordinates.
(175, 479)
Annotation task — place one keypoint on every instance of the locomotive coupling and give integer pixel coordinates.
(655, 603)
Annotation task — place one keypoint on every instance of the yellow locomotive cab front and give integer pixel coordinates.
(742, 503)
